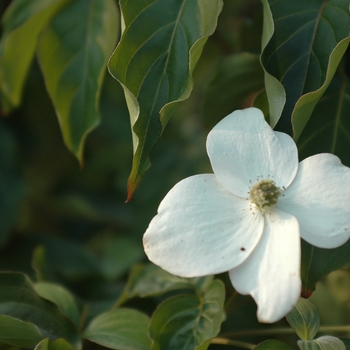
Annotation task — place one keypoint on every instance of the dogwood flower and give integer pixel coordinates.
(247, 218)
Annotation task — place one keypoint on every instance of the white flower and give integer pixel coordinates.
(247, 217)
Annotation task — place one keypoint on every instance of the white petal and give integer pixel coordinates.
(243, 149)
(319, 198)
(202, 229)
(271, 274)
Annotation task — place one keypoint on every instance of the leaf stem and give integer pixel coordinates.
(239, 344)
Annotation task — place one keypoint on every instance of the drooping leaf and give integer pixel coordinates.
(304, 319)
(22, 23)
(120, 329)
(73, 53)
(160, 46)
(327, 129)
(150, 280)
(272, 345)
(61, 297)
(308, 41)
(19, 300)
(317, 263)
(238, 78)
(187, 321)
(326, 342)
(18, 333)
(59, 344)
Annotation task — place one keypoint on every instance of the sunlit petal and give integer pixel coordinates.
(271, 273)
(319, 198)
(202, 229)
(244, 149)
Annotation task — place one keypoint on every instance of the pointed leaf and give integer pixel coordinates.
(327, 129)
(304, 319)
(19, 300)
(22, 23)
(61, 297)
(151, 280)
(272, 345)
(317, 263)
(120, 329)
(187, 321)
(298, 54)
(154, 61)
(323, 343)
(73, 53)
(59, 344)
(18, 333)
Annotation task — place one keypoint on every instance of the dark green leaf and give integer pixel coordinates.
(317, 263)
(327, 129)
(19, 300)
(238, 78)
(22, 22)
(304, 319)
(326, 342)
(307, 44)
(120, 329)
(61, 297)
(59, 344)
(73, 53)
(18, 333)
(154, 61)
(187, 321)
(272, 345)
(151, 280)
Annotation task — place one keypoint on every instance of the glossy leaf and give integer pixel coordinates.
(22, 23)
(317, 263)
(327, 129)
(59, 344)
(120, 329)
(154, 61)
(61, 297)
(307, 44)
(323, 343)
(73, 53)
(304, 319)
(19, 300)
(238, 78)
(151, 280)
(18, 333)
(272, 345)
(187, 321)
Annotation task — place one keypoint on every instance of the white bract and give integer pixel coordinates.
(247, 218)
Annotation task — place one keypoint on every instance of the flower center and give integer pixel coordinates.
(264, 194)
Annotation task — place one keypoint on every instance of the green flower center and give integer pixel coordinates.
(264, 194)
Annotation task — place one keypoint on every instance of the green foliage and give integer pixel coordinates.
(76, 274)
(154, 64)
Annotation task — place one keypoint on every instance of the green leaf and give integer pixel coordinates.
(151, 280)
(19, 300)
(326, 342)
(304, 319)
(187, 321)
(327, 129)
(18, 333)
(317, 263)
(307, 44)
(22, 23)
(154, 61)
(238, 78)
(59, 344)
(61, 297)
(73, 52)
(123, 329)
(272, 345)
